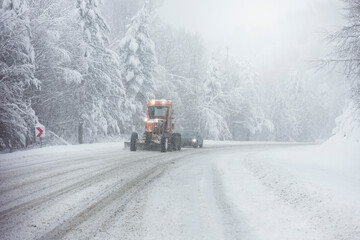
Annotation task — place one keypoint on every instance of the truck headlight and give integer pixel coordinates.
(194, 140)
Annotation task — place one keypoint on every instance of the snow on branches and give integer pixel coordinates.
(101, 92)
(139, 63)
(137, 53)
(347, 56)
(16, 76)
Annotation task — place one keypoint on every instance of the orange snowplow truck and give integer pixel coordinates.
(159, 129)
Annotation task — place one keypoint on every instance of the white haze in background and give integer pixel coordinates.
(277, 36)
(235, 70)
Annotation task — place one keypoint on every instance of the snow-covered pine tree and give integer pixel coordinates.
(247, 117)
(17, 119)
(138, 57)
(183, 60)
(59, 63)
(294, 110)
(254, 119)
(212, 84)
(285, 117)
(101, 92)
(117, 14)
(212, 105)
(302, 102)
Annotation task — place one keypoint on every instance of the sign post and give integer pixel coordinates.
(40, 132)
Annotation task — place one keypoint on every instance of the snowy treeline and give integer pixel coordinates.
(17, 79)
(83, 64)
(347, 57)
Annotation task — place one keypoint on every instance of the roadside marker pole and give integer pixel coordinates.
(40, 132)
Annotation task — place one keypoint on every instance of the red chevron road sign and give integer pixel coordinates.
(39, 131)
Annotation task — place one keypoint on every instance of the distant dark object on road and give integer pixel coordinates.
(191, 138)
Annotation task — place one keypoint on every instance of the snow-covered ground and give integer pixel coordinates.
(297, 192)
(226, 190)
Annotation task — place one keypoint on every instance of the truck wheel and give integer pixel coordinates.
(179, 146)
(164, 144)
(176, 141)
(133, 140)
(148, 137)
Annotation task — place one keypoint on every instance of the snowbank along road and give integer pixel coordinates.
(223, 191)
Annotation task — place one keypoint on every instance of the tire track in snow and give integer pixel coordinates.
(49, 186)
(234, 226)
(50, 175)
(40, 167)
(126, 193)
(75, 185)
(122, 195)
(16, 164)
(126, 216)
(17, 218)
(68, 169)
(22, 161)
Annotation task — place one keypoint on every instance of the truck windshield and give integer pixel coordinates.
(156, 112)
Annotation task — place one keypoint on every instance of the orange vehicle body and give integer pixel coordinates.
(151, 120)
(159, 128)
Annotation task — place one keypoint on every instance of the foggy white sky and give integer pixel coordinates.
(269, 33)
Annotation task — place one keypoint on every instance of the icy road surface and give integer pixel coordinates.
(222, 191)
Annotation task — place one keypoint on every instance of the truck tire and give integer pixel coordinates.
(133, 140)
(164, 144)
(148, 137)
(176, 141)
(179, 143)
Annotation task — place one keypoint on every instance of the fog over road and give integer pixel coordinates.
(221, 191)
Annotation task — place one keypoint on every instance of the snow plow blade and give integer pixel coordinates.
(143, 146)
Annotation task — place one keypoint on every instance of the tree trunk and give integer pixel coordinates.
(81, 132)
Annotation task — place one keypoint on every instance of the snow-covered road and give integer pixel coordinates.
(222, 191)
